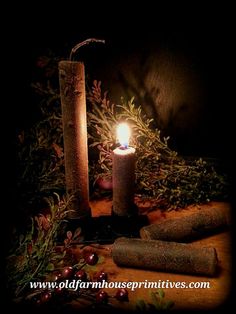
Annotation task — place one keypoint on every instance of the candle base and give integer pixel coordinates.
(103, 229)
(131, 212)
(79, 215)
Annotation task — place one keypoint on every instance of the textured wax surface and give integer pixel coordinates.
(72, 89)
(123, 176)
(165, 256)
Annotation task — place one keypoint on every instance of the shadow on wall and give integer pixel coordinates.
(166, 84)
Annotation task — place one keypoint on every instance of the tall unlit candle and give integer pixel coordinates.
(73, 101)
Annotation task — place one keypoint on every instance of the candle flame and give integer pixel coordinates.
(123, 134)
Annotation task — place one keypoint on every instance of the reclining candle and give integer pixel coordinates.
(165, 256)
(123, 175)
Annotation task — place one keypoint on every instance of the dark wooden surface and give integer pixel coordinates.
(183, 298)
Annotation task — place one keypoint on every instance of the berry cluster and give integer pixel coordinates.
(97, 296)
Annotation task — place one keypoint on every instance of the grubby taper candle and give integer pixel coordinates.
(123, 174)
(164, 256)
(187, 228)
(73, 101)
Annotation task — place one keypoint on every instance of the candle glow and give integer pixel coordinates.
(123, 134)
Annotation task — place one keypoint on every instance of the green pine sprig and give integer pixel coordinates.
(161, 173)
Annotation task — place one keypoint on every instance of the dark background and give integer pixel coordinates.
(203, 40)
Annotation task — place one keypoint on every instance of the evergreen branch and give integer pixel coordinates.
(161, 173)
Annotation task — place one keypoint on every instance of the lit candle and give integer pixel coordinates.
(123, 174)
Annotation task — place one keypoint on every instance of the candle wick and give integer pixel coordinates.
(123, 147)
(85, 42)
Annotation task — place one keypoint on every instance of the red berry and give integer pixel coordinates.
(122, 295)
(102, 297)
(81, 274)
(91, 259)
(67, 272)
(104, 183)
(101, 276)
(38, 302)
(45, 296)
(57, 276)
(29, 248)
(59, 291)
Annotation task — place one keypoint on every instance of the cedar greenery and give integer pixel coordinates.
(158, 303)
(161, 173)
(34, 254)
(40, 158)
(37, 257)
